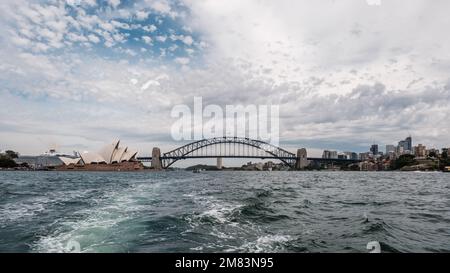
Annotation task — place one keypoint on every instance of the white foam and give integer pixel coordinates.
(97, 224)
(30, 207)
(198, 248)
(265, 243)
(214, 208)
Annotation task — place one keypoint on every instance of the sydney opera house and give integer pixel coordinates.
(112, 157)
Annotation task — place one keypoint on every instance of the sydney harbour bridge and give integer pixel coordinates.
(233, 147)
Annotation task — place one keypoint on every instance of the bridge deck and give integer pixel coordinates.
(148, 159)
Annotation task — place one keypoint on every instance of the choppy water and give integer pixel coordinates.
(224, 211)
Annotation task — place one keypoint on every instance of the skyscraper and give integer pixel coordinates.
(408, 141)
(405, 146)
(374, 149)
(390, 149)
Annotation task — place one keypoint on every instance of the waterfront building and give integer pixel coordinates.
(109, 154)
(40, 161)
(433, 151)
(420, 151)
(368, 166)
(48, 160)
(253, 166)
(269, 166)
(330, 154)
(390, 149)
(364, 156)
(351, 155)
(391, 155)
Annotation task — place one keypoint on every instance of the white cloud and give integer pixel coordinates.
(93, 38)
(161, 38)
(76, 37)
(114, 3)
(150, 28)
(189, 51)
(172, 47)
(147, 39)
(162, 6)
(188, 40)
(149, 83)
(182, 60)
(142, 15)
(130, 52)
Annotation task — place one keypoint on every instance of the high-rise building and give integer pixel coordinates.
(420, 151)
(405, 146)
(390, 149)
(374, 149)
(408, 141)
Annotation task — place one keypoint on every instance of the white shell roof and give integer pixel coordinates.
(129, 154)
(89, 158)
(118, 154)
(107, 152)
(68, 160)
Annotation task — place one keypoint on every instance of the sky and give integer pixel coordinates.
(77, 74)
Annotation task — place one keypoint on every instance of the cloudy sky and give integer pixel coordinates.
(75, 74)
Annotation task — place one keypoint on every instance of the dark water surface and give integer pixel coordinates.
(181, 211)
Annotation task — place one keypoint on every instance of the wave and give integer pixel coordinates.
(264, 243)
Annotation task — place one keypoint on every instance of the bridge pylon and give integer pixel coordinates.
(302, 159)
(156, 159)
(219, 163)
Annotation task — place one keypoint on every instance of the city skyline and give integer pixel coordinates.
(374, 149)
(78, 73)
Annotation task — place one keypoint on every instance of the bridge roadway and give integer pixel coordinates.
(149, 159)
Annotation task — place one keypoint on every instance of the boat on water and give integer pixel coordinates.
(197, 171)
(447, 169)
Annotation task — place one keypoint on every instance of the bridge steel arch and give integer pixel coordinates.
(272, 151)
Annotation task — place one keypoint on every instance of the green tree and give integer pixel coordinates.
(404, 160)
(6, 162)
(11, 154)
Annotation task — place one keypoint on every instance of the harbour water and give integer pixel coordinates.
(181, 211)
